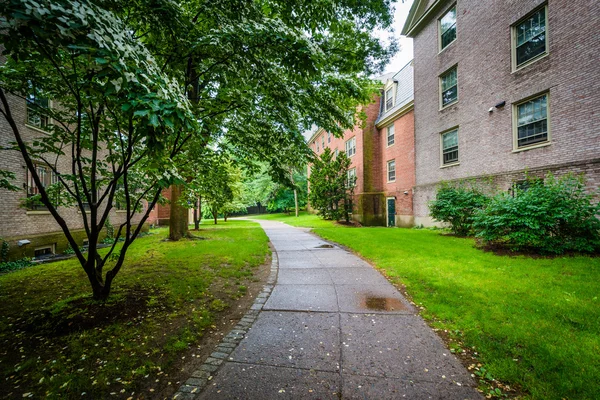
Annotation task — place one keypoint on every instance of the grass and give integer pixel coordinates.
(58, 343)
(532, 323)
(304, 220)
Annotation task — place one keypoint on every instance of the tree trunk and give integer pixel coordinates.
(197, 215)
(225, 217)
(296, 202)
(178, 220)
(215, 214)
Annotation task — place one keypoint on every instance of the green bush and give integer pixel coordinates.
(14, 265)
(552, 217)
(457, 206)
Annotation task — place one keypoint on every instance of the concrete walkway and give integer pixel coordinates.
(335, 328)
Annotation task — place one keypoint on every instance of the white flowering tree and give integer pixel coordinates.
(117, 117)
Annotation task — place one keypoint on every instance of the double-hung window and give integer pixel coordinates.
(390, 135)
(323, 142)
(351, 147)
(531, 125)
(351, 178)
(449, 87)
(328, 137)
(450, 147)
(36, 107)
(447, 28)
(389, 98)
(391, 170)
(47, 178)
(530, 39)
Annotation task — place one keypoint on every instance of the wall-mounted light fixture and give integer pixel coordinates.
(501, 104)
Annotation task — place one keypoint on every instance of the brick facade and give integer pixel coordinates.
(373, 190)
(39, 227)
(569, 74)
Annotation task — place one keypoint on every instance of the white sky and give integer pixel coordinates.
(406, 50)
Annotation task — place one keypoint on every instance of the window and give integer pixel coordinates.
(450, 147)
(47, 178)
(449, 87)
(44, 252)
(351, 147)
(318, 147)
(389, 98)
(336, 152)
(532, 121)
(328, 137)
(323, 142)
(530, 38)
(391, 170)
(447, 28)
(36, 106)
(390, 135)
(351, 178)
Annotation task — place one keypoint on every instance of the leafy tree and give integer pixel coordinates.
(331, 189)
(286, 197)
(259, 73)
(119, 119)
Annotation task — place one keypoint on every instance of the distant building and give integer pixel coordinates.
(381, 150)
(504, 87)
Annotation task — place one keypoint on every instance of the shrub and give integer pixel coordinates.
(551, 217)
(14, 265)
(457, 206)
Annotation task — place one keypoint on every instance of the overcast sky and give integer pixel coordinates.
(406, 51)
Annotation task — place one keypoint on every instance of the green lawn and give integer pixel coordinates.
(57, 343)
(534, 323)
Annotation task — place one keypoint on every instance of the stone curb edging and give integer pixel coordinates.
(200, 378)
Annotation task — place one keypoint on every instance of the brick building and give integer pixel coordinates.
(35, 224)
(502, 87)
(381, 150)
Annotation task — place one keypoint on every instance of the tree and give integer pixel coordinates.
(291, 195)
(119, 119)
(259, 73)
(331, 188)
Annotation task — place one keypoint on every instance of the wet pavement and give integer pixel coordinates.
(335, 328)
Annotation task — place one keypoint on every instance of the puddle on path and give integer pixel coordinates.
(324, 246)
(382, 304)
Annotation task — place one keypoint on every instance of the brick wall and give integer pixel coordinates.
(15, 221)
(482, 53)
(370, 161)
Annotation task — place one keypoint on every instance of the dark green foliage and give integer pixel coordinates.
(330, 192)
(552, 217)
(457, 207)
(14, 265)
(4, 248)
(282, 198)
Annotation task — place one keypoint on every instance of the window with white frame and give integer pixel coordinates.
(450, 147)
(328, 137)
(47, 178)
(530, 39)
(531, 126)
(36, 110)
(323, 142)
(351, 147)
(391, 170)
(389, 98)
(351, 178)
(449, 87)
(447, 28)
(336, 152)
(390, 135)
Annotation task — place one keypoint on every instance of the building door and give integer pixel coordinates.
(391, 211)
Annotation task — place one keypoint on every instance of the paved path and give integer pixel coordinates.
(335, 328)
